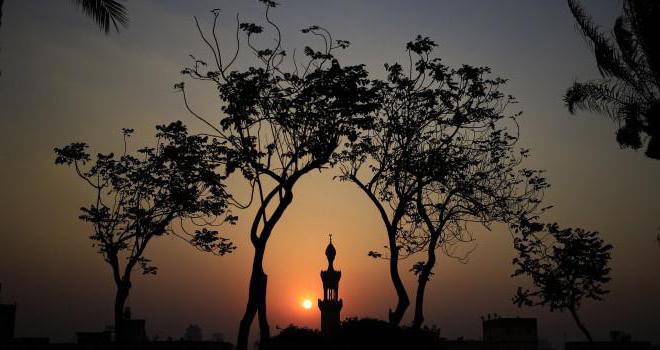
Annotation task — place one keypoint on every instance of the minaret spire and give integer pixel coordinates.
(331, 305)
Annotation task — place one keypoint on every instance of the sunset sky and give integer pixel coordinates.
(64, 81)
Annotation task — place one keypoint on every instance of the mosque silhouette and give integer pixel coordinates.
(331, 305)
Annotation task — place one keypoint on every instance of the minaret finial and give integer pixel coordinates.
(330, 305)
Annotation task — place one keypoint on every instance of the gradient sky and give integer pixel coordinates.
(64, 81)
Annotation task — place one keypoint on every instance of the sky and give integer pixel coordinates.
(64, 81)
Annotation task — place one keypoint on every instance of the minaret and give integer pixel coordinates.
(331, 305)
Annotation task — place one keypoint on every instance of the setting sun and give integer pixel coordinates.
(307, 304)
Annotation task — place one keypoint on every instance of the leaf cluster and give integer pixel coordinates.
(566, 265)
(280, 120)
(141, 195)
(442, 150)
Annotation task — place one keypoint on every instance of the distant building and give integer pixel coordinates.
(130, 330)
(93, 338)
(510, 333)
(500, 333)
(331, 305)
(7, 321)
(193, 333)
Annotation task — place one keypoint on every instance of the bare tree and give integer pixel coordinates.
(277, 125)
(566, 266)
(142, 197)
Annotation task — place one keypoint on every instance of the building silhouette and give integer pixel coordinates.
(130, 330)
(7, 321)
(500, 333)
(331, 305)
(511, 333)
(193, 333)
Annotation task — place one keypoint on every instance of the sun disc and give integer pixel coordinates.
(307, 304)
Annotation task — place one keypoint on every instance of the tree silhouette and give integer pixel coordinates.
(446, 157)
(377, 161)
(629, 64)
(278, 126)
(566, 266)
(144, 196)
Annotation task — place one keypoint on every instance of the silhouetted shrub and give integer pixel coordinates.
(358, 334)
(293, 338)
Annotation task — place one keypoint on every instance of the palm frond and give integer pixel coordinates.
(595, 96)
(629, 134)
(1, 1)
(644, 17)
(630, 66)
(627, 44)
(106, 13)
(607, 59)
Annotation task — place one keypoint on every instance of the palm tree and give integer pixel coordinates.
(629, 64)
(1, 3)
(106, 13)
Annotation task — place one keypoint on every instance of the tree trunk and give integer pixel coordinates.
(120, 303)
(264, 328)
(258, 280)
(391, 226)
(256, 302)
(403, 302)
(580, 325)
(422, 281)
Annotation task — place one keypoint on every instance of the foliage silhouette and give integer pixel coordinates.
(566, 266)
(358, 334)
(375, 334)
(441, 155)
(377, 159)
(469, 171)
(468, 168)
(298, 338)
(144, 196)
(277, 126)
(629, 64)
